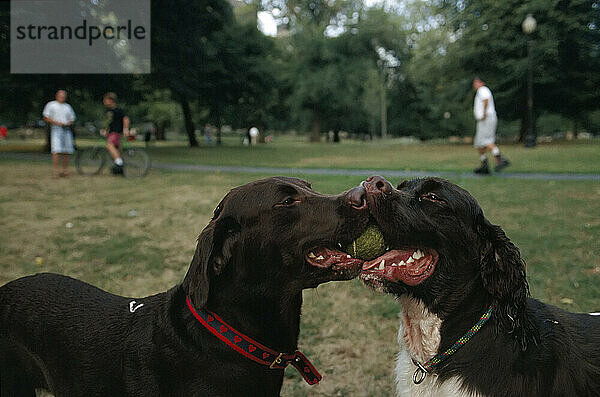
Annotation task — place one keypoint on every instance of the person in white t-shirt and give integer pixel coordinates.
(60, 115)
(484, 111)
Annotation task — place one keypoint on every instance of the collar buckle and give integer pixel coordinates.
(277, 361)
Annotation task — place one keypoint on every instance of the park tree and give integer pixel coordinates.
(211, 62)
(158, 107)
(253, 84)
(333, 53)
(188, 43)
(461, 39)
(576, 77)
(387, 95)
(314, 70)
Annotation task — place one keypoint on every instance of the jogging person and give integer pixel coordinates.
(484, 111)
(117, 123)
(60, 115)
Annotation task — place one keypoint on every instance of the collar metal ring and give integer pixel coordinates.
(420, 373)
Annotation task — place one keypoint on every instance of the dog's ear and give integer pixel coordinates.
(503, 275)
(214, 250)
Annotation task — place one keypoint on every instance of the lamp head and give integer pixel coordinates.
(529, 24)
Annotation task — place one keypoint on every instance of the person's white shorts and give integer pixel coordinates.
(485, 134)
(61, 140)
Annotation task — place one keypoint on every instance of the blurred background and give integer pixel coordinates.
(319, 68)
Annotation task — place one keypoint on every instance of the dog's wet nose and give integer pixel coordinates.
(357, 198)
(376, 185)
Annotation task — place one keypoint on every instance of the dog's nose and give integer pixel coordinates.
(376, 185)
(357, 198)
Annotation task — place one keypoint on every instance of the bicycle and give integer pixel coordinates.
(91, 161)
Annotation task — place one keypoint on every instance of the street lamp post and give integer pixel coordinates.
(528, 26)
(381, 63)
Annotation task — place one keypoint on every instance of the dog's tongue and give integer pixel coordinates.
(409, 266)
(327, 258)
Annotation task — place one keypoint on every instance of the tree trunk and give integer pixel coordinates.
(524, 125)
(315, 134)
(160, 133)
(189, 123)
(383, 109)
(262, 135)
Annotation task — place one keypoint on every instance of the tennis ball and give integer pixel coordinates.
(369, 245)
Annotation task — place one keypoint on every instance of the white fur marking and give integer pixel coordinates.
(419, 338)
(132, 309)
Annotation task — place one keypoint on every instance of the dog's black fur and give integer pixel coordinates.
(528, 348)
(249, 267)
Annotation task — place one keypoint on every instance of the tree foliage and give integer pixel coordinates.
(337, 57)
(340, 66)
(485, 38)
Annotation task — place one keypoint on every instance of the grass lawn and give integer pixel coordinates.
(287, 151)
(566, 157)
(137, 237)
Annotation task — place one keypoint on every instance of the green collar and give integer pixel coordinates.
(424, 369)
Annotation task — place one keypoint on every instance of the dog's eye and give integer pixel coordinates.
(432, 197)
(288, 202)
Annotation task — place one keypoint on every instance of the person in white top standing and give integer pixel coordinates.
(60, 115)
(485, 134)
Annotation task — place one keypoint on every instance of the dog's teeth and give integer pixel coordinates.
(311, 255)
(339, 245)
(418, 254)
(410, 260)
(320, 258)
(402, 263)
(381, 265)
(348, 256)
(394, 264)
(387, 248)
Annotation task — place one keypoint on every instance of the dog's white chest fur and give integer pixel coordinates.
(419, 337)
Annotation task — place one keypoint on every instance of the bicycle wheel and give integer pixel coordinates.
(136, 162)
(90, 161)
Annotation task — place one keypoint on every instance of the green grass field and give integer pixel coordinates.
(137, 237)
(288, 151)
(571, 157)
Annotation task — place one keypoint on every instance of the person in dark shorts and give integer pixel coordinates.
(117, 124)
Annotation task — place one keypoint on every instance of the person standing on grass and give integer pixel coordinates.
(117, 123)
(487, 121)
(60, 116)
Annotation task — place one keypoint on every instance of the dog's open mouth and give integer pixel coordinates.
(410, 266)
(327, 258)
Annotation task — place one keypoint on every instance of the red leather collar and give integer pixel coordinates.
(254, 350)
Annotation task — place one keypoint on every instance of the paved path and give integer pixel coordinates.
(335, 171)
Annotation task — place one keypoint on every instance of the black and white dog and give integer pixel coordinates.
(452, 270)
(267, 241)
